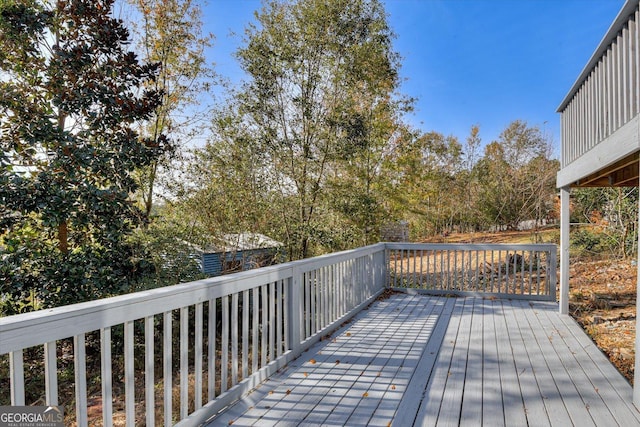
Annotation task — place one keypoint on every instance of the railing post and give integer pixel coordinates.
(564, 250)
(552, 272)
(295, 310)
(385, 270)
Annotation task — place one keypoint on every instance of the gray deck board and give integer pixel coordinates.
(437, 361)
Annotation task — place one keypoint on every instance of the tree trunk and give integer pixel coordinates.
(63, 243)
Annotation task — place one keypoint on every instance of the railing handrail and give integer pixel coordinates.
(474, 246)
(25, 330)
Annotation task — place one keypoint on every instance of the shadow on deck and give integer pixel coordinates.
(422, 360)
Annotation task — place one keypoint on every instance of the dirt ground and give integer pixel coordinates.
(602, 296)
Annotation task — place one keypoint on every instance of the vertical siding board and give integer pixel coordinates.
(637, 60)
(625, 74)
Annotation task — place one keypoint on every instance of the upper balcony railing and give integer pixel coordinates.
(157, 356)
(606, 95)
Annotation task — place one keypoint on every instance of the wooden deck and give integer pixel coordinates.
(427, 361)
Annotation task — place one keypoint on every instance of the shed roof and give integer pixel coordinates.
(234, 242)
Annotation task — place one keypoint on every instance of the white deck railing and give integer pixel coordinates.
(606, 95)
(514, 271)
(218, 338)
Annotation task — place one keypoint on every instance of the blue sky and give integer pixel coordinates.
(484, 62)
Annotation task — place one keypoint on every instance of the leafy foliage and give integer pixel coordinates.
(169, 33)
(70, 95)
(318, 109)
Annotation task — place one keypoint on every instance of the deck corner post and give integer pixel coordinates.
(295, 303)
(564, 250)
(636, 383)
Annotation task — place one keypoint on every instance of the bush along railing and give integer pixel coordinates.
(502, 270)
(155, 357)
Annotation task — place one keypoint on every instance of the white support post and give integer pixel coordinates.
(636, 382)
(564, 250)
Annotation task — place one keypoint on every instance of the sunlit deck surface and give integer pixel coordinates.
(421, 360)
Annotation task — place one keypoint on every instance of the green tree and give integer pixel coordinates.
(228, 189)
(169, 32)
(70, 95)
(424, 167)
(319, 72)
(517, 176)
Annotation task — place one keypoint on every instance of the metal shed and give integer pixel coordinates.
(239, 252)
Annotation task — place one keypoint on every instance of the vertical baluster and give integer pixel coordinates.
(184, 362)
(224, 346)
(484, 270)
(149, 380)
(106, 377)
(16, 368)
(402, 279)
(323, 297)
(330, 293)
(254, 331)
(538, 270)
(211, 348)
(265, 325)
(51, 373)
(313, 283)
(245, 334)
(456, 285)
(499, 279)
(272, 321)
(167, 374)
(129, 373)
(477, 272)
(443, 280)
(307, 305)
(278, 318)
(80, 368)
(197, 363)
(286, 315)
(530, 277)
(234, 338)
